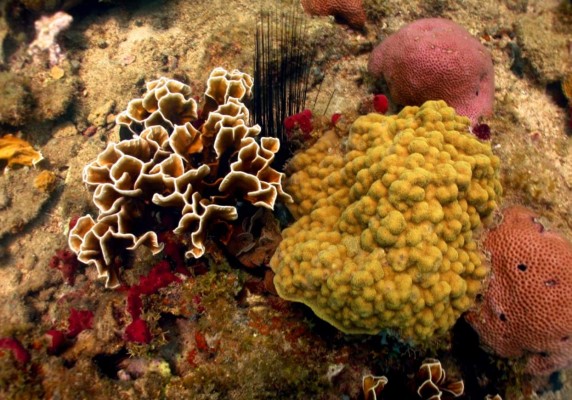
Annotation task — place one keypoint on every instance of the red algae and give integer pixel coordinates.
(302, 121)
(380, 103)
(138, 332)
(159, 277)
(56, 341)
(66, 262)
(19, 352)
(78, 321)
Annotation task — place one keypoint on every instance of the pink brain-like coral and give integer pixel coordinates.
(526, 310)
(436, 59)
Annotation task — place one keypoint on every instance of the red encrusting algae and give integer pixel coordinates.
(78, 321)
(138, 332)
(19, 352)
(56, 341)
(159, 277)
(66, 262)
(302, 121)
(380, 103)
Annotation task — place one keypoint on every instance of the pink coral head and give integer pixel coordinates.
(525, 311)
(350, 11)
(436, 59)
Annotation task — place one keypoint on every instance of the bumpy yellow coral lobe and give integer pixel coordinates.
(386, 223)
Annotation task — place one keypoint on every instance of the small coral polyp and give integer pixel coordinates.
(386, 223)
(173, 164)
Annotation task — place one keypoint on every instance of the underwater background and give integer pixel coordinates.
(258, 200)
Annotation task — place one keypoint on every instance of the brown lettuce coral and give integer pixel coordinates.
(177, 162)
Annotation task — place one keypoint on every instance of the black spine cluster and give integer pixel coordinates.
(282, 62)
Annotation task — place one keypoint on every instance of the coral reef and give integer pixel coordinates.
(385, 231)
(349, 11)
(16, 210)
(196, 173)
(566, 86)
(54, 96)
(217, 333)
(43, 6)
(436, 59)
(525, 309)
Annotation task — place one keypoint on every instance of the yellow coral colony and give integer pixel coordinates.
(170, 163)
(384, 237)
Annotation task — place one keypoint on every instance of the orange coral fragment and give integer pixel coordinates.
(45, 181)
(16, 151)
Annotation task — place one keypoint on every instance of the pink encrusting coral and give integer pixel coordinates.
(436, 59)
(526, 310)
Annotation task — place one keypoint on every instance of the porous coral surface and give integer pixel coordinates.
(350, 11)
(526, 310)
(436, 59)
(386, 222)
